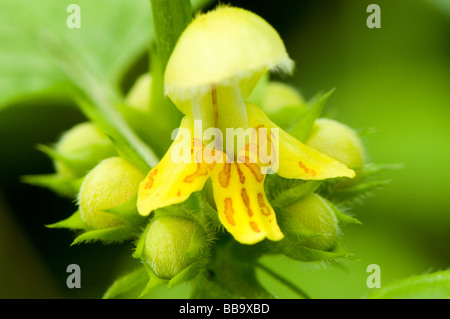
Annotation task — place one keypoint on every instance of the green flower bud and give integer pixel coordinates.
(139, 95)
(313, 218)
(278, 95)
(111, 183)
(337, 141)
(85, 145)
(168, 243)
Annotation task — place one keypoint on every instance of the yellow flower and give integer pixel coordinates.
(214, 67)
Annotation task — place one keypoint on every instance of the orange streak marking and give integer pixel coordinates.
(306, 169)
(228, 211)
(150, 179)
(255, 169)
(254, 226)
(264, 209)
(246, 200)
(241, 175)
(224, 175)
(201, 171)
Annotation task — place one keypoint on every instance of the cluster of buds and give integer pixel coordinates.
(224, 202)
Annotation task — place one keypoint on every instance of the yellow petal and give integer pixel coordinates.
(241, 202)
(174, 179)
(295, 159)
(226, 44)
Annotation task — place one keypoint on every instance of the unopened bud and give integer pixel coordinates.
(282, 103)
(313, 217)
(139, 95)
(86, 145)
(168, 242)
(338, 141)
(278, 95)
(111, 183)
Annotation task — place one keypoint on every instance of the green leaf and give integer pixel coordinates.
(303, 253)
(257, 94)
(208, 213)
(342, 217)
(297, 251)
(283, 192)
(75, 62)
(340, 192)
(430, 286)
(186, 274)
(50, 55)
(363, 189)
(197, 243)
(128, 212)
(116, 234)
(288, 116)
(236, 276)
(85, 64)
(140, 120)
(58, 184)
(74, 222)
(140, 245)
(153, 282)
(371, 169)
(103, 112)
(354, 194)
(106, 44)
(203, 288)
(79, 162)
(444, 5)
(303, 126)
(126, 283)
(57, 156)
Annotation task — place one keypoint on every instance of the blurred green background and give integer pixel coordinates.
(395, 80)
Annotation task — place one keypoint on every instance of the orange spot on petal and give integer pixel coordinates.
(229, 212)
(150, 179)
(246, 200)
(264, 209)
(256, 170)
(224, 175)
(254, 226)
(241, 175)
(201, 171)
(306, 169)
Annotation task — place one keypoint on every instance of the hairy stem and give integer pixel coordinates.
(170, 18)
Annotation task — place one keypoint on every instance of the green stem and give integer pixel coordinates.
(232, 270)
(284, 281)
(100, 108)
(98, 101)
(170, 18)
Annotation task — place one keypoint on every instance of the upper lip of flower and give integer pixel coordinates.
(228, 46)
(209, 79)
